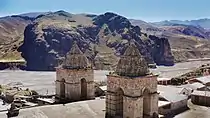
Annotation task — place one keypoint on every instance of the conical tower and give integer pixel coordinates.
(131, 89)
(132, 63)
(75, 59)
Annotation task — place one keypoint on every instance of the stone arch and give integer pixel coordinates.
(83, 83)
(119, 102)
(62, 88)
(146, 101)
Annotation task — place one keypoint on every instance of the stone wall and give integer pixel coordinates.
(133, 95)
(200, 100)
(132, 87)
(73, 79)
(174, 108)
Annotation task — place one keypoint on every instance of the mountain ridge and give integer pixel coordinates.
(204, 22)
(104, 36)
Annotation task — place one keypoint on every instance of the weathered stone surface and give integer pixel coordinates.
(133, 96)
(74, 80)
(131, 91)
(70, 80)
(75, 59)
(132, 63)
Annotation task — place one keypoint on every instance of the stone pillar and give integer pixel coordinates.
(90, 90)
(57, 89)
(154, 104)
(110, 104)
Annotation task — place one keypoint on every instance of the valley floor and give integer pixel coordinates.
(44, 82)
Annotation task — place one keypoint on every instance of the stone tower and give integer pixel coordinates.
(74, 78)
(131, 89)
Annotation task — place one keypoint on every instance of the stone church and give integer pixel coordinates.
(131, 89)
(75, 77)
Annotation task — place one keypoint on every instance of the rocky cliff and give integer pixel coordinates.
(102, 38)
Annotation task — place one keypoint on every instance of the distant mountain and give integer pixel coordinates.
(144, 25)
(172, 27)
(33, 14)
(204, 23)
(187, 41)
(189, 30)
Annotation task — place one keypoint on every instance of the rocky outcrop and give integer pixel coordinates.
(161, 51)
(101, 38)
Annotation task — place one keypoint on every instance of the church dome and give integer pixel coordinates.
(75, 59)
(132, 63)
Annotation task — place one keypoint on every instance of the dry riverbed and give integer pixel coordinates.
(44, 82)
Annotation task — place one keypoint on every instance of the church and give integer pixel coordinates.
(131, 88)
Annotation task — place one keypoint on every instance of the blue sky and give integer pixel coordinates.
(148, 10)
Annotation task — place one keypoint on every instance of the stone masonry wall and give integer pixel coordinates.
(73, 82)
(133, 89)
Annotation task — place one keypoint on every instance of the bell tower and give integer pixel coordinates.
(75, 77)
(131, 89)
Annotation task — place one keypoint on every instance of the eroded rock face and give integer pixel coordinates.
(101, 38)
(161, 51)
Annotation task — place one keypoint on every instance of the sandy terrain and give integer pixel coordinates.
(90, 109)
(195, 112)
(84, 109)
(178, 69)
(43, 83)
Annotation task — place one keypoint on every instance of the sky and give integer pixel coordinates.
(148, 10)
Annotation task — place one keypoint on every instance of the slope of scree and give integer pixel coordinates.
(101, 38)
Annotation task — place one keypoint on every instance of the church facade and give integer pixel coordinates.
(75, 77)
(131, 89)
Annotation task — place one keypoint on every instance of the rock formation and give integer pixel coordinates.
(101, 38)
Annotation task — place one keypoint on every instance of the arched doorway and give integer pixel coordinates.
(62, 88)
(146, 102)
(83, 88)
(119, 104)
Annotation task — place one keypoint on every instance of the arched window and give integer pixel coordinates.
(119, 100)
(146, 101)
(62, 88)
(83, 88)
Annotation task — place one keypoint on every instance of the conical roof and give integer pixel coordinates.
(132, 63)
(75, 59)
